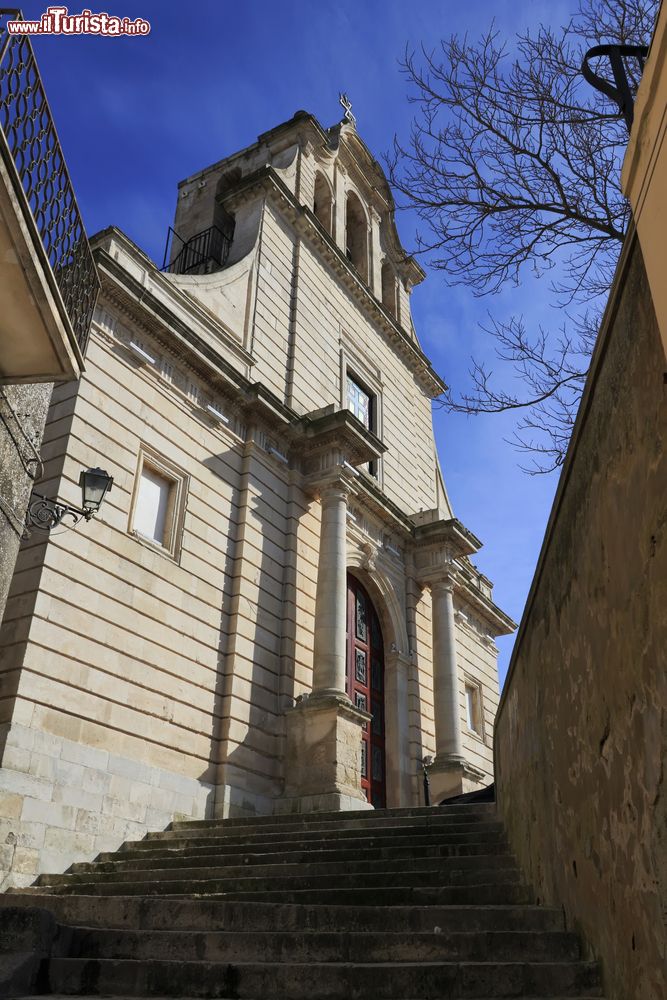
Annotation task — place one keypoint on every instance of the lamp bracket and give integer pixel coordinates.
(43, 513)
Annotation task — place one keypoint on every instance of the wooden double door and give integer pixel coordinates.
(365, 687)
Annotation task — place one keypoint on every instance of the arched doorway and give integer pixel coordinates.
(365, 686)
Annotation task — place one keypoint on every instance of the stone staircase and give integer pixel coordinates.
(390, 905)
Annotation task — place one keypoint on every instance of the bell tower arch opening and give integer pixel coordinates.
(323, 202)
(356, 235)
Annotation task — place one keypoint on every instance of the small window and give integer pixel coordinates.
(363, 405)
(474, 709)
(360, 403)
(153, 502)
(159, 496)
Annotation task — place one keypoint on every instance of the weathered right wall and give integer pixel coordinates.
(581, 732)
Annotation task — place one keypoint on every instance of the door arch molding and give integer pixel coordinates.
(382, 592)
(397, 671)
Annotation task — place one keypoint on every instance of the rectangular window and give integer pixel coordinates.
(363, 405)
(359, 402)
(152, 507)
(159, 501)
(474, 709)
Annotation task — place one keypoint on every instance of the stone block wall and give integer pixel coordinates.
(62, 801)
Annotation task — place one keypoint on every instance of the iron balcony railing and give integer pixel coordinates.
(204, 252)
(29, 143)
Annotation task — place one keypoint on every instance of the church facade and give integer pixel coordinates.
(276, 609)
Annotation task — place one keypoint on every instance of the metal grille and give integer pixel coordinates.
(32, 142)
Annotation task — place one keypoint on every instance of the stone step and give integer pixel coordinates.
(428, 847)
(489, 833)
(156, 913)
(317, 946)
(194, 828)
(480, 810)
(268, 865)
(400, 895)
(276, 881)
(335, 981)
(421, 903)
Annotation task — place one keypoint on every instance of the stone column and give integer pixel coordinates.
(447, 772)
(322, 761)
(329, 662)
(448, 747)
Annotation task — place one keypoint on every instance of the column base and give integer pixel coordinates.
(323, 755)
(451, 775)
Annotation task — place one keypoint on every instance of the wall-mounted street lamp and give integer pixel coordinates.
(44, 513)
(426, 763)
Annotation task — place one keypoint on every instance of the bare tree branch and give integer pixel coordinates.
(513, 162)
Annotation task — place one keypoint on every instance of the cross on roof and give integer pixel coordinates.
(346, 104)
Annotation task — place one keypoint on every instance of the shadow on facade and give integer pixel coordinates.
(20, 607)
(255, 680)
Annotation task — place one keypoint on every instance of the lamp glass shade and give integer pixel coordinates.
(95, 484)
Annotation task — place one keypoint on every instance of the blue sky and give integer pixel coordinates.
(137, 115)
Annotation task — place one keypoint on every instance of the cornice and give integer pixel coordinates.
(449, 531)
(499, 623)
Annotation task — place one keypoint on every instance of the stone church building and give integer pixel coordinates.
(276, 608)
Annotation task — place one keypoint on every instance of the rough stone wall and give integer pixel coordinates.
(582, 728)
(23, 410)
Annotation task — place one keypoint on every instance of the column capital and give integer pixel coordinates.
(398, 659)
(444, 583)
(336, 485)
(440, 577)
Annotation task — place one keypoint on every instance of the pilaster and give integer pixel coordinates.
(375, 270)
(339, 205)
(397, 725)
